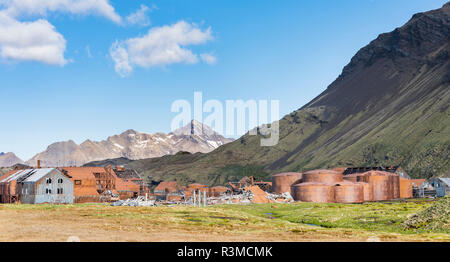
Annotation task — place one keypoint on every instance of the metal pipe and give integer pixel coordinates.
(204, 198)
(194, 199)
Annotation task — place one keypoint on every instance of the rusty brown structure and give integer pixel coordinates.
(99, 184)
(396, 186)
(368, 191)
(380, 186)
(283, 182)
(313, 192)
(348, 192)
(351, 178)
(398, 170)
(218, 191)
(130, 175)
(406, 188)
(249, 181)
(324, 176)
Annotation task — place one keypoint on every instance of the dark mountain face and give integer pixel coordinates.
(390, 106)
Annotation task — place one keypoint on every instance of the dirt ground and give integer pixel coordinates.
(87, 223)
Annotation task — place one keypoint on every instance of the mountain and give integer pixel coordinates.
(389, 106)
(194, 137)
(9, 159)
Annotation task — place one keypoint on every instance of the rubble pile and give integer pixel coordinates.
(249, 195)
(280, 198)
(136, 202)
(245, 195)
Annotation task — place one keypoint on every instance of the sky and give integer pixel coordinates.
(89, 69)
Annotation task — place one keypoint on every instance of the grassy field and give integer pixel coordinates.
(262, 222)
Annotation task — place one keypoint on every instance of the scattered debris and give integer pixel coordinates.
(136, 202)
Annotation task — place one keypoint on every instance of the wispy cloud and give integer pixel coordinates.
(88, 52)
(208, 58)
(121, 60)
(140, 17)
(18, 8)
(161, 46)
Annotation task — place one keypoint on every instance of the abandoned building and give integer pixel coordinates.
(441, 185)
(167, 187)
(218, 191)
(36, 186)
(99, 184)
(131, 175)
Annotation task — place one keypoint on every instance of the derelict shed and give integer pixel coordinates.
(37, 186)
(441, 185)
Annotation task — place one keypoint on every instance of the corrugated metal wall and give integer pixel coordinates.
(36, 192)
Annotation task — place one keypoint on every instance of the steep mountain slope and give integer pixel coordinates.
(390, 106)
(195, 137)
(9, 159)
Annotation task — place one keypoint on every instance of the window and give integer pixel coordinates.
(59, 190)
(48, 191)
(60, 180)
(77, 182)
(49, 180)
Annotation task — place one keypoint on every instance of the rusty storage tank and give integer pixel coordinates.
(380, 187)
(282, 182)
(406, 190)
(396, 185)
(353, 177)
(328, 177)
(368, 191)
(313, 192)
(348, 192)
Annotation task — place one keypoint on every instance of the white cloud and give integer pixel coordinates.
(139, 17)
(120, 57)
(88, 52)
(31, 41)
(17, 8)
(208, 58)
(161, 46)
(39, 40)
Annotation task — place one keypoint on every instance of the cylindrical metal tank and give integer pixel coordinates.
(313, 192)
(396, 185)
(282, 182)
(380, 187)
(406, 190)
(328, 177)
(368, 191)
(348, 192)
(353, 177)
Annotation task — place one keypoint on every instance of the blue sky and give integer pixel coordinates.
(289, 50)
